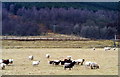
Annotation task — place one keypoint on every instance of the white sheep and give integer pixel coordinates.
(107, 48)
(35, 63)
(31, 57)
(11, 61)
(87, 64)
(93, 65)
(2, 65)
(69, 57)
(47, 55)
(1, 61)
(93, 48)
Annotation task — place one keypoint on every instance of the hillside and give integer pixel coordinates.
(84, 19)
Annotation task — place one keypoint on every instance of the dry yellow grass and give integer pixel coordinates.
(56, 44)
(108, 61)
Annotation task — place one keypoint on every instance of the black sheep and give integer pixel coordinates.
(7, 61)
(56, 62)
(66, 61)
(51, 62)
(69, 65)
(62, 62)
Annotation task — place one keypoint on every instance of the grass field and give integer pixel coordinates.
(56, 44)
(108, 61)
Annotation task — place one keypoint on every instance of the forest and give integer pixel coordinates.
(89, 20)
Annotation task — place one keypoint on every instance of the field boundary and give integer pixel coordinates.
(46, 39)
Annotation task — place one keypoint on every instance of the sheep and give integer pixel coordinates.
(2, 65)
(8, 61)
(55, 62)
(69, 57)
(93, 48)
(50, 62)
(107, 48)
(93, 65)
(66, 61)
(35, 63)
(47, 55)
(62, 62)
(78, 61)
(31, 57)
(69, 65)
(87, 64)
(1, 61)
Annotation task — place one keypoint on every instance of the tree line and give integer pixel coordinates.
(100, 24)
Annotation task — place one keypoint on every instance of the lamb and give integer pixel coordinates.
(31, 57)
(47, 55)
(69, 65)
(2, 65)
(107, 48)
(35, 63)
(78, 61)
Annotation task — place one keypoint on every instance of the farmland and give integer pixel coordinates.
(55, 44)
(20, 50)
(108, 61)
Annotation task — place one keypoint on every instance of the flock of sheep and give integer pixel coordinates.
(68, 62)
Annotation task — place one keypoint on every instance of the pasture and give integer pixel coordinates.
(108, 61)
(56, 44)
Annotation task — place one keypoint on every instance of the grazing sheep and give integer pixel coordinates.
(47, 55)
(51, 62)
(55, 62)
(66, 61)
(92, 65)
(31, 57)
(2, 65)
(62, 62)
(35, 63)
(8, 61)
(69, 65)
(107, 48)
(87, 64)
(78, 61)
